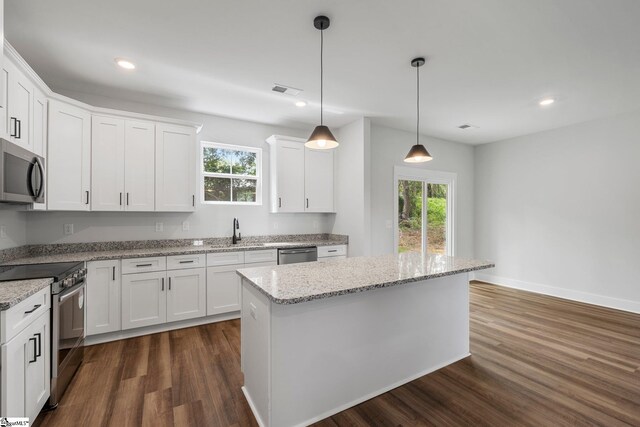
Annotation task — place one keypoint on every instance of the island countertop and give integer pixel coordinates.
(15, 291)
(295, 283)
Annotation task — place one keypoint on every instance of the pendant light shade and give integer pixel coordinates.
(418, 152)
(321, 138)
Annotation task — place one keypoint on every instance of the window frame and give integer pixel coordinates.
(257, 177)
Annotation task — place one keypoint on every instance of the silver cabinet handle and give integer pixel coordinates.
(120, 199)
(307, 203)
(162, 284)
(127, 199)
(144, 265)
(279, 202)
(169, 282)
(187, 262)
(114, 273)
(333, 250)
(87, 194)
(193, 200)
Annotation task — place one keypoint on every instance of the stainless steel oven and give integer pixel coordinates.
(67, 334)
(22, 174)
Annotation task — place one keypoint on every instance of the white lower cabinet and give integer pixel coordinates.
(26, 370)
(163, 296)
(186, 294)
(223, 289)
(144, 299)
(103, 297)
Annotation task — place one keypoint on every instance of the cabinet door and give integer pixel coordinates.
(4, 99)
(139, 165)
(144, 299)
(103, 297)
(318, 180)
(20, 103)
(175, 168)
(289, 177)
(186, 294)
(37, 368)
(223, 289)
(26, 385)
(69, 157)
(107, 164)
(39, 122)
(16, 354)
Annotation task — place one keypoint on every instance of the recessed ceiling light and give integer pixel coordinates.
(123, 63)
(301, 104)
(547, 101)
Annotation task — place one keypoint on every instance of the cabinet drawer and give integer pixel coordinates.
(178, 262)
(225, 258)
(332, 258)
(144, 265)
(18, 317)
(251, 257)
(336, 250)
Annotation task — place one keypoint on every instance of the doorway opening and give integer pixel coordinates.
(424, 211)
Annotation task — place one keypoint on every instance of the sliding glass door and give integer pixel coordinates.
(424, 211)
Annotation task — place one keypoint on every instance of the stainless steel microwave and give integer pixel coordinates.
(21, 174)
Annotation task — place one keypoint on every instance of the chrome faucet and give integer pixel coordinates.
(236, 226)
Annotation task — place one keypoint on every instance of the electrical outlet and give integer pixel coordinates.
(185, 225)
(3, 231)
(68, 229)
(159, 226)
(197, 243)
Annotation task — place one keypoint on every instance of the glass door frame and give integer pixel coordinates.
(404, 173)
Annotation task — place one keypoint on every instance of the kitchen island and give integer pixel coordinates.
(319, 338)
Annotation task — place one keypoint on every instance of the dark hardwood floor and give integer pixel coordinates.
(536, 361)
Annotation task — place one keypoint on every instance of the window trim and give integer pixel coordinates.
(431, 177)
(257, 177)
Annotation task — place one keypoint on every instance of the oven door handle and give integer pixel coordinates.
(71, 292)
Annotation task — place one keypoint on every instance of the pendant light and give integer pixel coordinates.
(418, 152)
(321, 138)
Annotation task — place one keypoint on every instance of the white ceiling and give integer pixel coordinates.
(489, 62)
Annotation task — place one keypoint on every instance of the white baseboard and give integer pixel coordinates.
(570, 294)
(138, 332)
(253, 407)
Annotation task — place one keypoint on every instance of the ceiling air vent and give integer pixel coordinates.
(286, 89)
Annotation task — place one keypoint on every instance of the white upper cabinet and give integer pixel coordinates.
(69, 157)
(318, 180)
(4, 100)
(20, 105)
(139, 165)
(39, 122)
(287, 174)
(122, 165)
(175, 168)
(301, 178)
(107, 164)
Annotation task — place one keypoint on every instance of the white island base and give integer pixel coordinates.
(306, 361)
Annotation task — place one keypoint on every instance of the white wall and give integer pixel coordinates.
(352, 186)
(388, 149)
(14, 222)
(559, 211)
(208, 220)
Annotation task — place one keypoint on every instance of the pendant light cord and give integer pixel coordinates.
(321, 76)
(417, 105)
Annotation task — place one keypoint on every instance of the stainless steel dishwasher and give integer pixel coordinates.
(292, 256)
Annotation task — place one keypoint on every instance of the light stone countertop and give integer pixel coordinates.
(295, 283)
(164, 251)
(11, 293)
